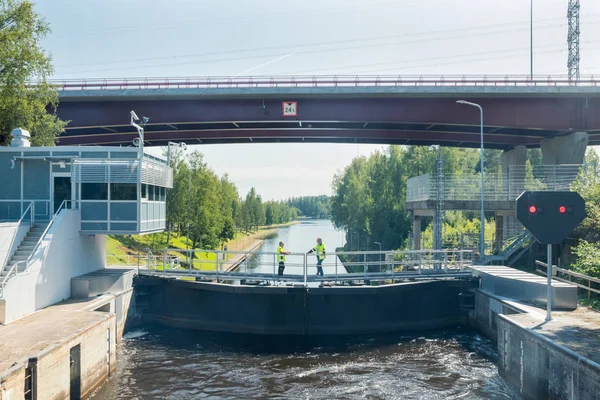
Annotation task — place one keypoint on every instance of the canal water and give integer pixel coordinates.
(300, 238)
(160, 363)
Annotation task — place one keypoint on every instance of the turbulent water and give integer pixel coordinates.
(159, 363)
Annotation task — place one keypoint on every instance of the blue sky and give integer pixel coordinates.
(160, 38)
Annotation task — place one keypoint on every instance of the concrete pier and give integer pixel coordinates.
(60, 352)
(558, 359)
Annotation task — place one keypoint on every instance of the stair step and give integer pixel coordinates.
(20, 252)
(36, 234)
(16, 258)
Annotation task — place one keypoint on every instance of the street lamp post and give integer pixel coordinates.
(482, 237)
(379, 244)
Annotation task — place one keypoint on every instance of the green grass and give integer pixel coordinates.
(124, 250)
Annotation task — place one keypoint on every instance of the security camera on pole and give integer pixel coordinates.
(138, 142)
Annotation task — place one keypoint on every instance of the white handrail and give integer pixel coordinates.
(35, 248)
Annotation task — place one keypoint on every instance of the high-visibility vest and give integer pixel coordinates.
(320, 250)
(280, 255)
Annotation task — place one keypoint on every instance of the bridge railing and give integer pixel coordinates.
(322, 81)
(301, 267)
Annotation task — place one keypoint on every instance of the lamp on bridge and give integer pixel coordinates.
(482, 237)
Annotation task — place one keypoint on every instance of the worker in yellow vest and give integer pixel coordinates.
(320, 250)
(281, 253)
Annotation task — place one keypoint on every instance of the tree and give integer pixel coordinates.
(25, 94)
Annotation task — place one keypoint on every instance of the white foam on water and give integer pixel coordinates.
(138, 333)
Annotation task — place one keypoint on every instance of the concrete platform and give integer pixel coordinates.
(578, 330)
(525, 287)
(29, 336)
(106, 280)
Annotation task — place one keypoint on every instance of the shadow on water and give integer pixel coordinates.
(317, 344)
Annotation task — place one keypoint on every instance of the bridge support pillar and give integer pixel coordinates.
(417, 232)
(569, 149)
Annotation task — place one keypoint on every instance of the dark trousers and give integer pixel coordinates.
(319, 267)
(281, 267)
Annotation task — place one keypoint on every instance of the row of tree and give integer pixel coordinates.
(212, 206)
(312, 206)
(369, 195)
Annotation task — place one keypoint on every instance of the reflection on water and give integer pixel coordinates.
(172, 364)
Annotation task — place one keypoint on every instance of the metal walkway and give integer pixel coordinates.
(340, 267)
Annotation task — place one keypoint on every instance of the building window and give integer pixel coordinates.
(123, 191)
(144, 191)
(94, 191)
(163, 194)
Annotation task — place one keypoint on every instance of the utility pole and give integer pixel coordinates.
(573, 40)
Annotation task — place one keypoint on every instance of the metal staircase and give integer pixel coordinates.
(521, 244)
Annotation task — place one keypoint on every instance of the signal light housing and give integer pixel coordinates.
(550, 216)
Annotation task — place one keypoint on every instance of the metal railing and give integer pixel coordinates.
(323, 81)
(497, 187)
(574, 278)
(301, 267)
(22, 266)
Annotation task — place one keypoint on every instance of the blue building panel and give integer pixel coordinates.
(94, 226)
(11, 178)
(36, 180)
(94, 211)
(123, 211)
(124, 226)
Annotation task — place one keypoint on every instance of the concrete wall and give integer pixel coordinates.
(52, 366)
(542, 369)
(64, 254)
(484, 317)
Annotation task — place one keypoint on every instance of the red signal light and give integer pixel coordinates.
(532, 209)
(562, 209)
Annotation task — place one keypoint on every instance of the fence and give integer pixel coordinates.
(301, 267)
(497, 186)
(574, 278)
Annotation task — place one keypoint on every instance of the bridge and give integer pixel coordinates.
(408, 110)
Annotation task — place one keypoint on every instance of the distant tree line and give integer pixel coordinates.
(311, 206)
(213, 207)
